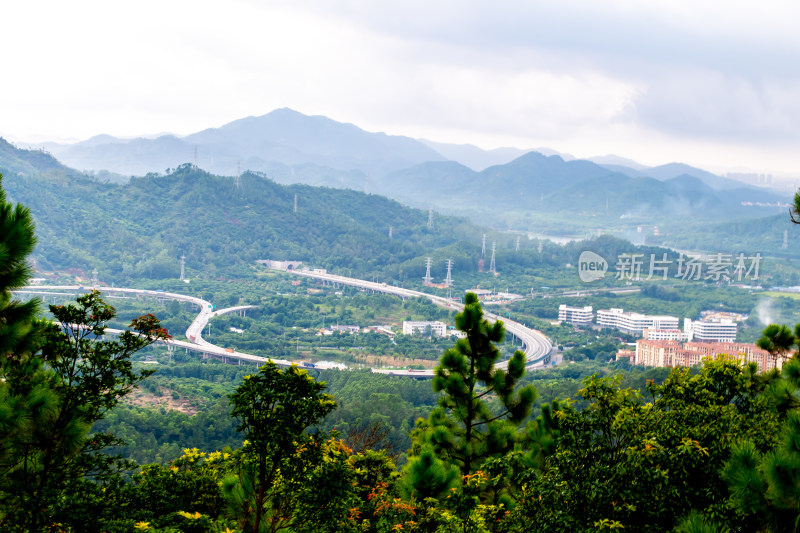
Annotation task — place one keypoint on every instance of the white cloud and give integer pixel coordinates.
(590, 77)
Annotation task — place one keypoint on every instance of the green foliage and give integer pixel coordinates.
(696, 523)
(779, 340)
(19, 331)
(56, 380)
(464, 431)
(78, 379)
(604, 462)
(428, 476)
(219, 228)
(190, 484)
(278, 480)
(763, 483)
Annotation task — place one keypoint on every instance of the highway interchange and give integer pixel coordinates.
(536, 346)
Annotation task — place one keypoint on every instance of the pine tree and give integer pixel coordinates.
(481, 407)
(19, 329)
(25, 398)
(766, 486)
(56, 380)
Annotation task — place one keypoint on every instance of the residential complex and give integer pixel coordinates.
(579, 316)
(675, 353)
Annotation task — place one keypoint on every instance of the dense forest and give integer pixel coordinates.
(217, 225)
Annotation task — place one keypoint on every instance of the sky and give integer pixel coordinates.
(715, 84)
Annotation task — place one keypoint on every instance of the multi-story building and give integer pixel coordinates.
(579, 316)
(344, 328)
(436, 328)
(710, 330)
(673, 353)
(634, 323)
(663, 335)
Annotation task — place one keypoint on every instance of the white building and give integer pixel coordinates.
(437, 328)
(710, 330)
(664, 335)
(580, 316)
(634, 323)
(345, 329)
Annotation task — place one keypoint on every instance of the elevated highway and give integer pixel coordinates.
(195, 343)
(536, 345)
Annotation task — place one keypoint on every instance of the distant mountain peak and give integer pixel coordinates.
(281, 137)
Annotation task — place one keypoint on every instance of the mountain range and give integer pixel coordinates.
(517, 189)
(138, 228)
(291, 138)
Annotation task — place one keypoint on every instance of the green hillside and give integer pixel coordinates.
(140, 229)
(15, 161)
(540, 193)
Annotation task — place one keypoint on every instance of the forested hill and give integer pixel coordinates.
(579, 190)
(19, 162)
(141, 229)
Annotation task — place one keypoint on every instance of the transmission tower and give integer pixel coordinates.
(295, 202)
(449, 279)
(785, 238)
(517, 243)
(492, 267)
(390, 232)
(427, 277)
(540, 246)
(430, 218)
(183, 264)
(95, 280)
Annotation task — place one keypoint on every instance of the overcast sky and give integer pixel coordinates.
(712, 83)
